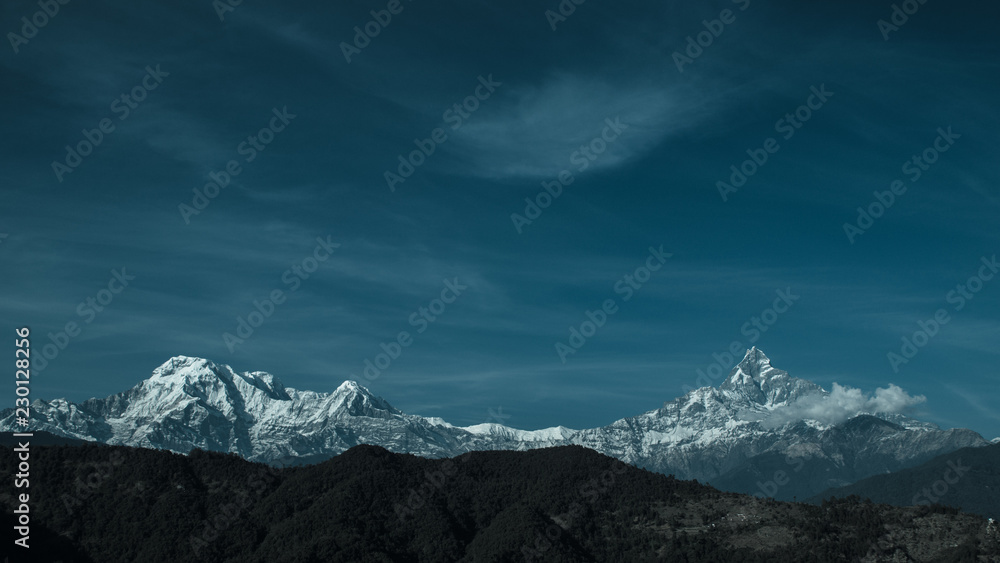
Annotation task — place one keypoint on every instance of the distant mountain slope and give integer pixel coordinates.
(858, 448)
(556, 504)
(758, 422)
(40, 438)
(968, 479)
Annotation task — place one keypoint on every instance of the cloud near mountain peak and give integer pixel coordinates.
(843, 403)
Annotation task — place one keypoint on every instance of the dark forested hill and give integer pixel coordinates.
(968, 478)
(103, 503)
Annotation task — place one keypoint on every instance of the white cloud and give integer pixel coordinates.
(531, 132)
(843, 403)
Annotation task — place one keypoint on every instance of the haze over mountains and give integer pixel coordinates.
(761, 431)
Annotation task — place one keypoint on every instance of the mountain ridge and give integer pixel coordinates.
(966, 479)
(707, 434)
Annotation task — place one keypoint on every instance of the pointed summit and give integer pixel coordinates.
(754, 364)
(754, 369)
(757, 381)
(356, 400)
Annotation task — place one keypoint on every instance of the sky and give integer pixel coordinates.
(355, 176)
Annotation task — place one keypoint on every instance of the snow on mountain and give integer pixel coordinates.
(498, 430)
(732, 434)
(192, 403)
(755, 382)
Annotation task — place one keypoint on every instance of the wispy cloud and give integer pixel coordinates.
(975, 401)
(535, 128)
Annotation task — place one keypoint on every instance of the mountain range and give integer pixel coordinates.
(761, 431)
(967, 479)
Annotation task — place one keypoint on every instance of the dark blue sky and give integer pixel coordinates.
(195, 88)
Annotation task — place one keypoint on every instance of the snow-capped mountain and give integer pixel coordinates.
(192, 403)
(735, 436)
(758, 422)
